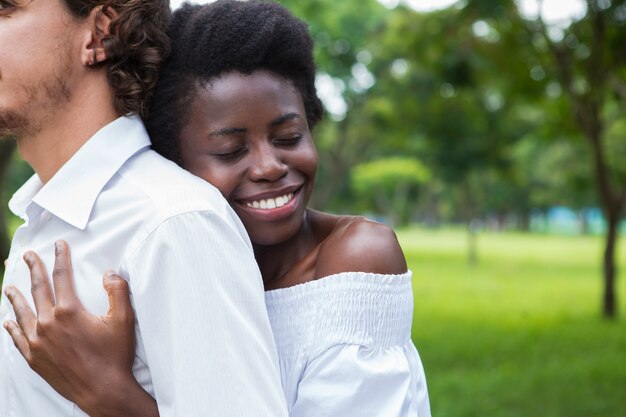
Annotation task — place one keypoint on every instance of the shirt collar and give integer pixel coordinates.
(72, 192)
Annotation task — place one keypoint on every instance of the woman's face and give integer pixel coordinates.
(248, 136)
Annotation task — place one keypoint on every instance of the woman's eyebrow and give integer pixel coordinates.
(228, 131)
(284, 118)
(234, 130)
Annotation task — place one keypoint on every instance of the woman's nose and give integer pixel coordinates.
(267, 165)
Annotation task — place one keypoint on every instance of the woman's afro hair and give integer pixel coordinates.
(228, 35)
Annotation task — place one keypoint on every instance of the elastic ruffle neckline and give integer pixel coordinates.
(372, 310)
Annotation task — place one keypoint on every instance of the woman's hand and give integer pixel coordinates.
(86, 358)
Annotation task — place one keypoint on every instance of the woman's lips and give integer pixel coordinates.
(272, 208)
(270, 203)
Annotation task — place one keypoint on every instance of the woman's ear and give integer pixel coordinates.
(93, 51)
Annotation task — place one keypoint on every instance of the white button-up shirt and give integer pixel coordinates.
(204, 346)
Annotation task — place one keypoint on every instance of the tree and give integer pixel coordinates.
(441, 88)
(389, 186)
(587, 62)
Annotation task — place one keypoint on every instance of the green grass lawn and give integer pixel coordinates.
(520, 333)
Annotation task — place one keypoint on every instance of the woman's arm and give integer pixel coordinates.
(86, 358)
(364, 381)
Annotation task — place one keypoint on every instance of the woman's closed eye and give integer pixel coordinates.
(230, 154)
(290, 140)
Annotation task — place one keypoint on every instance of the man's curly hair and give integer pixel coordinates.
(217, 38)
(135, 48)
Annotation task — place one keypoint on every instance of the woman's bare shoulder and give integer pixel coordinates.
(357, 244)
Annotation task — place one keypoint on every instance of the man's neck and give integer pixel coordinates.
(70, 128)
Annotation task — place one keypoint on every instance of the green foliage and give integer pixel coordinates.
(340, 30)
(520, 333)
(18, 173)
(388, 186)
(12, 176)
(388, 173)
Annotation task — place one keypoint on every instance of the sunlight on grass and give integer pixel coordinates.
(520, 333)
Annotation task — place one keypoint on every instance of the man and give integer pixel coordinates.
(74, 76)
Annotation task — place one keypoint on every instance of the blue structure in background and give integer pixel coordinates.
(564, 220)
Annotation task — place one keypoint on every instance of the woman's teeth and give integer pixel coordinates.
(270, 203)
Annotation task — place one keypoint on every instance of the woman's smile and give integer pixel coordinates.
(270, 203)
(281, 205)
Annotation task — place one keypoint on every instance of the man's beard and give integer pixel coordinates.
(12, 124)
(40, 103)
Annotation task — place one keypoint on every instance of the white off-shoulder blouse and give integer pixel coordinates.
(344, 347)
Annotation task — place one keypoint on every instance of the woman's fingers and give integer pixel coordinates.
(62, 276)
(19, 338)
(39, 283)
(120, 307)
(25, 317)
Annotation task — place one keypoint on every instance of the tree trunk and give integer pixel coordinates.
(385, 206)
(612, 205)
(587, 112)
(472, 243)
(609, 304)
(470, 222)
(400, 203)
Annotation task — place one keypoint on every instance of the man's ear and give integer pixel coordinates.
(93, 51)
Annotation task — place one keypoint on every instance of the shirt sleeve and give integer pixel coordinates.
(201, 315)
(352, 380)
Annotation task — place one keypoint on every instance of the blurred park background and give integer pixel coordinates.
(492, 135)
